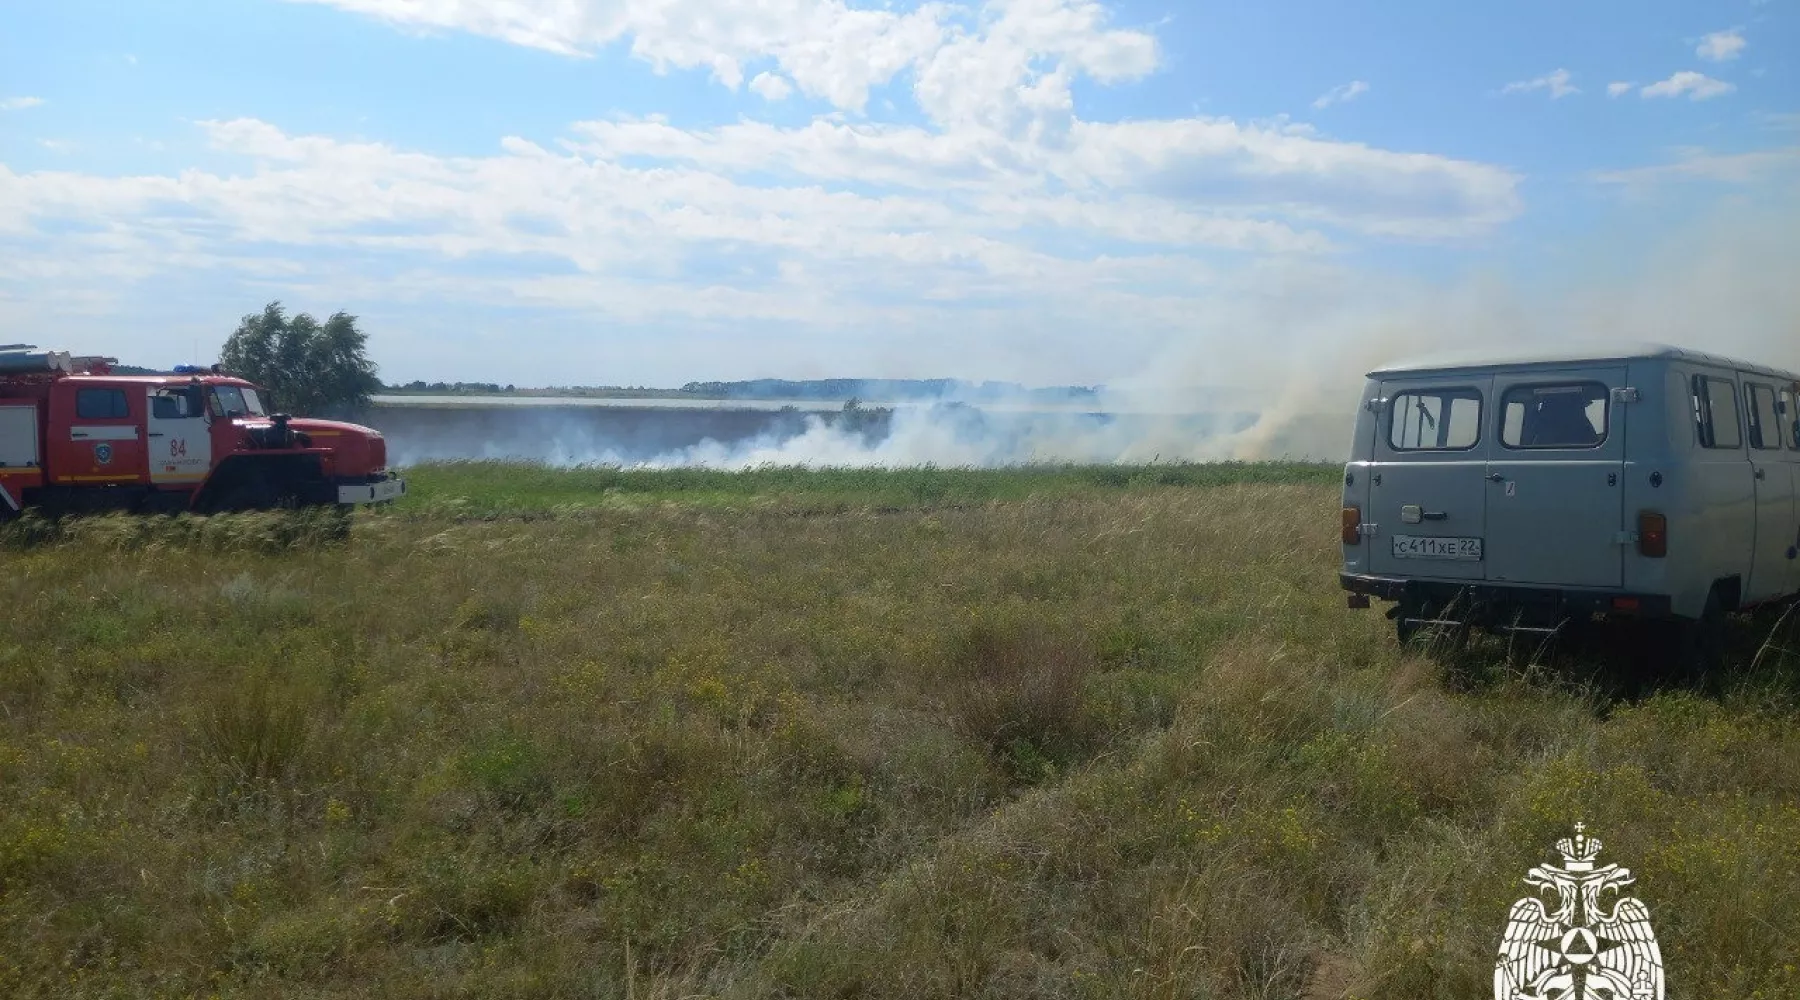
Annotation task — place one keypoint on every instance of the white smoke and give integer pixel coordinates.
(913, 435)
(919, 436)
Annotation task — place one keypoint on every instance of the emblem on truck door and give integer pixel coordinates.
(103, 453)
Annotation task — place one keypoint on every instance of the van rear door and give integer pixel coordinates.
(1555, 508)
(1427, 494)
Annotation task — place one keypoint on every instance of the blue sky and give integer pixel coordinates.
(652, 191)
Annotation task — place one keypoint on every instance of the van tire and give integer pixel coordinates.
(1404, 630)
(1700, 645)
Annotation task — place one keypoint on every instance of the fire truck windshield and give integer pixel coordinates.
(230, 401)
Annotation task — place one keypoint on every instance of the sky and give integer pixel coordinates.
(647, 192)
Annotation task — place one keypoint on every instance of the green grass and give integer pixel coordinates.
(1029, 733)
(503, 488)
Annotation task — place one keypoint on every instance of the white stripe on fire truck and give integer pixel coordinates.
(103, 433)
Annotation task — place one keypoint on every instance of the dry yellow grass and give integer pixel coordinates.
(1096, 741)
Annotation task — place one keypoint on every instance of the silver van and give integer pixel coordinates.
(1523, 492)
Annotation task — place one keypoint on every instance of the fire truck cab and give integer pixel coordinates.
(74, 437)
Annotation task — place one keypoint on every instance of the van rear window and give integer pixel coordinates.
(1565, 415)
(1716, 413)
(1435, 420)
(1765, 418)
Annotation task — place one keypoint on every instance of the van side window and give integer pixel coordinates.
(1435, 420)
(101, 404)
(1790, 417)
(1716, 413)
(1765, 421)
(1569, 415)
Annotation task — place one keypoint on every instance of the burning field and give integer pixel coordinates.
(1033, 732)
(676, 433)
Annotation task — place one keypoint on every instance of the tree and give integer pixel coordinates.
(308, 367)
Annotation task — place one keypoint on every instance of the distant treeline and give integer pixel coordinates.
(771, 388)
(448, 387)
(883, 389)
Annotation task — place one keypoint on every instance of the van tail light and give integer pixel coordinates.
(1653, 534)
(1352, 525)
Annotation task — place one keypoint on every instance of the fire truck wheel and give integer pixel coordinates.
(252, 496)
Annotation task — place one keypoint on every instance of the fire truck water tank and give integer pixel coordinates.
(28, 362)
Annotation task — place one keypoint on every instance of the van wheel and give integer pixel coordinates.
(1406, 630)
(1701, 644)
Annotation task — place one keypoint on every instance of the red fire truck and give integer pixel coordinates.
(74, 437)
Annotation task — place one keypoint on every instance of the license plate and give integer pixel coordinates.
(1425, 547)
(379, 492)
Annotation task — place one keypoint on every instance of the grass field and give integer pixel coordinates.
(1061, 732)
(495, 488)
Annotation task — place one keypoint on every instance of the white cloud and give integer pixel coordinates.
(1341, 93)
(1721, 46)
(999, 206)
(1695, 164)
(1135, 210)
(1556, 82)
(1697, 86)
(831, 50)
(19, 103)
(969, 64)
(1184, 164)
(56, 145)
(1013, 75)
(1618, 88)
(772, 86)
(995, 88)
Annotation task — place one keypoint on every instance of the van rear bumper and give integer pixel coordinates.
(1499, 601)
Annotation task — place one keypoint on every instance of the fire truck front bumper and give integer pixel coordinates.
(377, 491)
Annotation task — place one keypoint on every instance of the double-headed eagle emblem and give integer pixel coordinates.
(1575, 948)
